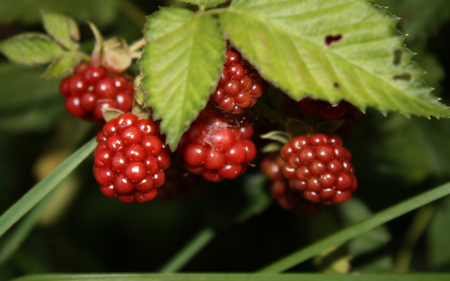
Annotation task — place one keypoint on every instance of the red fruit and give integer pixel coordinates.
(293, 201)
(240, 84)
(91, 87)
(216, 147)
(288, 199)
(129, 159)
(319, 167)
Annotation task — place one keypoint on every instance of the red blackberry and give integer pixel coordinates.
(320, 168)
(240, 84)
(288, 199)
(217, 147)
(130, 159)
(91, 87)
(322, 109)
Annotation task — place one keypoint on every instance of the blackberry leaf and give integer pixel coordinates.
(62, 66)
(181, 64)
(331, 50)
(30, 49)
(63, 29)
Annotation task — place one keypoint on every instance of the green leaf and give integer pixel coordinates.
(30, 49)
(38, 192)
(181, 64)
(234, 276)
(63, 29)
(205, 3)
(331, 50)
(62, 66)
(357, 229)
(397, 136)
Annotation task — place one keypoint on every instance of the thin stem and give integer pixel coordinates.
(190, 250)
(357, 229)
(40, 190)
(133, 12)
(415, 231)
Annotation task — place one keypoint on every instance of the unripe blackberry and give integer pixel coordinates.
(322, 109)
(129, 159)
(216, 147)
(320, 168)
(91, 87)
(240, 85)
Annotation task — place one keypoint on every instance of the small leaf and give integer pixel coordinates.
(181, 64)
(62, 66)
(30, 49)
(110, 113)
(205, 3)
(63, 29)
(331, 50)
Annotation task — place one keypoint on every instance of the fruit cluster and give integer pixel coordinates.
(132, 162)
(319, 167)
(130, 159)
(218, 147)
(91, 88)
(240, 85)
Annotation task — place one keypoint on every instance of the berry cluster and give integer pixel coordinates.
(130, 159)
(217, 147)
(240, 84)
(319, 167)
(92, 87)
(288, 199)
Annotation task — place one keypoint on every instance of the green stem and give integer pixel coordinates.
(40, 190)
(195, 245)
(357, 229)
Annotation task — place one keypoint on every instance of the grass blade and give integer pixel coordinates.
(235, 277)
(34, 195)
(189, 251)
(357, 229)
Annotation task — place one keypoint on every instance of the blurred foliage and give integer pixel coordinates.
(394, 158)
